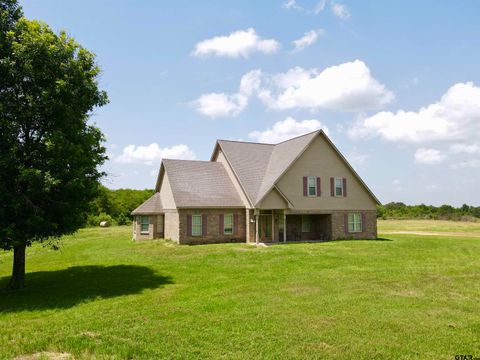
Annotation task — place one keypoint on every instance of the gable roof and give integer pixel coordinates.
(259, 166)
(152, 205)
(200, 184)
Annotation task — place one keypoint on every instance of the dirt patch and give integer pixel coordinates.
(433, 233)
(46, 355)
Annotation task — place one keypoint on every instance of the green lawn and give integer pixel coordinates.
(429, 225)
(104, 296)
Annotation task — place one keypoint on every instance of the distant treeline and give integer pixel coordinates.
(398, 210)
(115, 206)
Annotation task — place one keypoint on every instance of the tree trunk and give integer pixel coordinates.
(18, 273)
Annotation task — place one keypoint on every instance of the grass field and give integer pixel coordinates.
(104, 296)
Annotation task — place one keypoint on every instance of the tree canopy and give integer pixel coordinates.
(50, 153)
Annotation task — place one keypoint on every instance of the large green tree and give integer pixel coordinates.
(49, 152)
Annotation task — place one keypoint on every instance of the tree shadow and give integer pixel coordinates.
(65, 288)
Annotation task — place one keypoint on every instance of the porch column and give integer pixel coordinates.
(284, 227)
(256, 229)
(273, 226)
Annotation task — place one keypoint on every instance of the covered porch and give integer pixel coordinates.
(274, 226)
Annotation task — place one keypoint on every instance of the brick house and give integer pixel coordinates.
(302, 189)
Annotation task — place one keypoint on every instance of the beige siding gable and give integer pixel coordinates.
(166, 194)
(320, 159)
(273, 200)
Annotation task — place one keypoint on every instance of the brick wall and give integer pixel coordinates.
(213, 221)
(152, 228)
(369, 226)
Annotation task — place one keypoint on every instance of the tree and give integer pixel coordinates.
(49, 152)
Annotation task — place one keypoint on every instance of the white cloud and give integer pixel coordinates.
(357, 158)
(467, 164)
(220, 105)
(429, 156)
(239, 43)
(216, 105)
(307, 39)
(345, 87)
(292, 4)
(319, 7)
(340, 11)
(456, 116)
(465, 148)
(153, 154)
(286, 129)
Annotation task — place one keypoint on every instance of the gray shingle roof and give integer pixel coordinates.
(258, 166)
(201, 184)
(152, 205)
(249, 161)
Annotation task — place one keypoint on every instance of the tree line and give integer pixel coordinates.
(115, 206)
(399, 210)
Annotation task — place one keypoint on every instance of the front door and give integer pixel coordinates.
(265, 228)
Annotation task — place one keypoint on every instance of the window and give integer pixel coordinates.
(228, 224)
(338, 187)
(305, 223)
(312, 186)
(196, 225)
(144, 224)
(355, 222)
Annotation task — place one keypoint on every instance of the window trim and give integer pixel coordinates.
(142, 223)
(304, 222)
(314, 178)
(335, 186)
(224, 222)
(197, 226)
(353, 222)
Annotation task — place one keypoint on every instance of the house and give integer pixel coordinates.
(302, 189)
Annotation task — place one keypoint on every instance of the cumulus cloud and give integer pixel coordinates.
(293, 5)
(466, 164)
(340, 11)
(153, 154)
(239, 43)
(456, 116)
(345, 87)
(309, 38)
(465, 148)
(429, 156)
(220, 105)
(319, 7)
(286, 129)
(216, 105)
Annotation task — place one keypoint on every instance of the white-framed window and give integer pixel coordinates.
(306, 223)
(312, 186)
(339, 187)
(228, 224)
(144, 224)
(355, 222)
(196, 225)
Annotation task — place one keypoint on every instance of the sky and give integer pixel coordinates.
(395, 84)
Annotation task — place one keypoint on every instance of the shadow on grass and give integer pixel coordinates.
(65, 288)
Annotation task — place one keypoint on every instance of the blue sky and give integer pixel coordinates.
(395, 83)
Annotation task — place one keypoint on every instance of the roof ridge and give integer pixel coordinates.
(186, 160)
(247, 142)
(299, 136)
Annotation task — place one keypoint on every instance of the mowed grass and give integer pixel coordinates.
(103, 296)
(429, 226)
